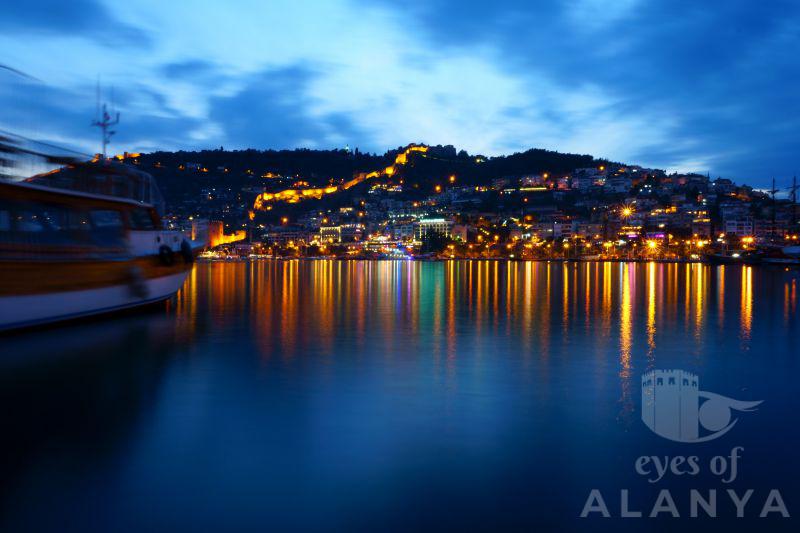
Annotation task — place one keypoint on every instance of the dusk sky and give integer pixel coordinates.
(684, 85)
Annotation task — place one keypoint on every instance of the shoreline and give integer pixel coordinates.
(494, 259)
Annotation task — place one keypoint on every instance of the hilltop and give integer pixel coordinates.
(240, 175)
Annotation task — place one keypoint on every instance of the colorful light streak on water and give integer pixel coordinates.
(362, 395)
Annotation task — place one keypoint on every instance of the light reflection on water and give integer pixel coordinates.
(360, 390)
(283, 300)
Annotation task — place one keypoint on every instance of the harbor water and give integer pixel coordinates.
(397, 395)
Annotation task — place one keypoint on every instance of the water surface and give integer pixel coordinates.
(319, 395)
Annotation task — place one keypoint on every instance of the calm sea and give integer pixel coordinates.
(335, 395)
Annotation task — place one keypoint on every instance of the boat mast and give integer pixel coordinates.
(772, 228)
(794, 202)
(104, 122)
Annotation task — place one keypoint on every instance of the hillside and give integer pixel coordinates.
(184, 175)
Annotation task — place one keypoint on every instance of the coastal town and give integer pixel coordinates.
(431, 203)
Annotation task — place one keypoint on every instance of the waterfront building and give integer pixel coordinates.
(284, 236)
(429, 226)
(768, 228)
(351, 232)
(330, 234)
(741, 227)
(702, 227)
(402, 230)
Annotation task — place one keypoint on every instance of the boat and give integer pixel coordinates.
(83, 239)
(791, 251)
(781, 256)
(727, 257)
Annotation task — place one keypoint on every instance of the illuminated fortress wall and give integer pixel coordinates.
(295, 195)
(216, 234)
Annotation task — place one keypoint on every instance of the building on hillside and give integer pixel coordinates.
(459, 232)
(723, 186)
(618, 184)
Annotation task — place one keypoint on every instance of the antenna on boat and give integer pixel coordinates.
(104, 122)
(772, 192)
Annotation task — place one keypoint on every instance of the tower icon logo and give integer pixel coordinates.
(672, 408)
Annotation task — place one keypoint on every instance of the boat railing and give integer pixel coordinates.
(25, 160)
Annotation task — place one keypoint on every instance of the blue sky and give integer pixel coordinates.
(707, 86)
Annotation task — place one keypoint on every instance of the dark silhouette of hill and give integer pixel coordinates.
(183, 174)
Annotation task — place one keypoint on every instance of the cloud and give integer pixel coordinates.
(707, 82)
(672, 83)
(70, 18)
(190, 69)
(275, 110)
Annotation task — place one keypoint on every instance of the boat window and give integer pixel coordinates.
(43, 228)
(106, 219)
(5, 219)
(78, 220)
(29, 217)
(107, 228)
(29, 221)
(58, 218)
(141, 220)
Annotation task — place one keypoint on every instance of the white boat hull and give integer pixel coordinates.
(34, 309)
